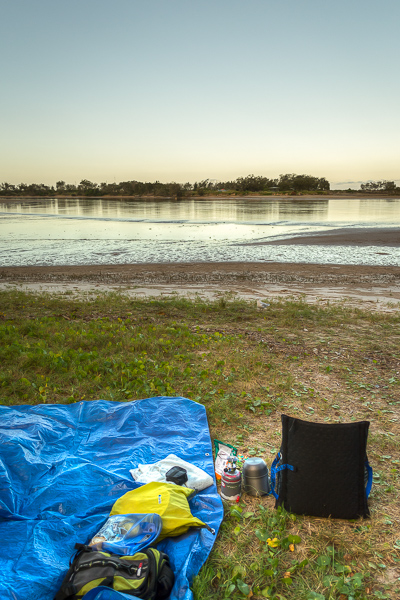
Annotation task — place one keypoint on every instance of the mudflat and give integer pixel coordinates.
(262, 272)
(346, 236)
(377, 285)
(372, 287)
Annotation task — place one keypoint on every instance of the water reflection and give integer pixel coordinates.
(237, 209)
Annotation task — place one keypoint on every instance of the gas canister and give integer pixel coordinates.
(231, 481)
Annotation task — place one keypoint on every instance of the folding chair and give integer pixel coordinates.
(322, 469)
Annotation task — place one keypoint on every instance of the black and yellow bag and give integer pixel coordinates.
(146, 574)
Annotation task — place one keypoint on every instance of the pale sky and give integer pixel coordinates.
(183, 90)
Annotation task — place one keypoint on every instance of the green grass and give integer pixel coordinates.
(247, 366)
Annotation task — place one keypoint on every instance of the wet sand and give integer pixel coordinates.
(366, 236)
(376, 287)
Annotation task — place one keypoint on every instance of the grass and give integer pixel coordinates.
(247, 366)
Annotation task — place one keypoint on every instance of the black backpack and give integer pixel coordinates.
(147, 574)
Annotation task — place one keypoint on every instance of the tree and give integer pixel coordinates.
(7, 189)
(298, 183)
(87, 188)
(379, 186)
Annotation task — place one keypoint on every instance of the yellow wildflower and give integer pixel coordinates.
(273, 543)
(291, 547)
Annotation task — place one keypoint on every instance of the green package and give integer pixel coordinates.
(222, 452)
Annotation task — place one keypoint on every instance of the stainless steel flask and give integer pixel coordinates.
(255, 477)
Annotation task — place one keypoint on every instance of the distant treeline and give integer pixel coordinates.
(242, 185)
(380, 186)
(289, 183)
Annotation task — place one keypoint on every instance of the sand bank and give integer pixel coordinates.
(375, 288)
(347, 236)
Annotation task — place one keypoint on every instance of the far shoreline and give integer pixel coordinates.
(335, 195)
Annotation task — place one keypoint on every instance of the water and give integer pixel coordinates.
(96, 231)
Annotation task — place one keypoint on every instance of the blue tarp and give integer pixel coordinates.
(63, 466)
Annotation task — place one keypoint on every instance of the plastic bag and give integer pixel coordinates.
(222, 452)
(127, 534)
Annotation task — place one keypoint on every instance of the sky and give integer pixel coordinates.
(184, 90)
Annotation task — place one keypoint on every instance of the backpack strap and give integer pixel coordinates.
(67, 590)
(275, 468)
(165, 578)
(370, 474)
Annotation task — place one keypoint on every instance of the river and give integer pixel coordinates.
(82, 231)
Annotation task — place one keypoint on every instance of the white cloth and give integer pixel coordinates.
(197, 478)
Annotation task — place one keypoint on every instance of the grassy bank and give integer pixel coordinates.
(247, 366)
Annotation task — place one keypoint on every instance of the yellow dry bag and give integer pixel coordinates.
(165, 499)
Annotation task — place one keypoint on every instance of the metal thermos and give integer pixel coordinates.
(255, 477)
(231, 481)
